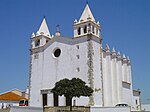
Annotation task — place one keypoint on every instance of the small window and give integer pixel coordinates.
(36, 56)
(78, 57)
(79, 31)
(89, 27)
(85, 29)
(96, 31)
(57, 53)
(78, 69)
(46, 41)
(93, 29)
(77, 46)
(136, 102)
(37, 43)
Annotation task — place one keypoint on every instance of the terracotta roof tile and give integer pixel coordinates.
(11, 96)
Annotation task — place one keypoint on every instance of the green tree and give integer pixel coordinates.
(72, 88)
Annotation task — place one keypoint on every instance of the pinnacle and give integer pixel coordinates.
(33, 35)
(107, 47)
(113, 50)
(118, 54)
(75, 21)
(124, 57)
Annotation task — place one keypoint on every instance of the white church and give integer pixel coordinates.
(106, 71)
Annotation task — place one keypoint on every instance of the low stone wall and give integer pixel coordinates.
(5, 110)
(25, 109)
(110, 109)
(67, 109)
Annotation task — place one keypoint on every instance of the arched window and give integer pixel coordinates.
(79, 31)
(89, 27)
(93, 29)
(85, 29)
(37, 43)
(96, 31)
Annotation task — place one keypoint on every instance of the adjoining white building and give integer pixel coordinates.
(12, 98)
(53, 58)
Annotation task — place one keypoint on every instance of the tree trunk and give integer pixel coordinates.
(70, 99)
(69, 102)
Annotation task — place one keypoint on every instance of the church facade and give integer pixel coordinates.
(106, 71)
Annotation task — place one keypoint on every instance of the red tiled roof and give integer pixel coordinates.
(11, 96)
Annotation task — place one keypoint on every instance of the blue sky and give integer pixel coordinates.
(125, 26)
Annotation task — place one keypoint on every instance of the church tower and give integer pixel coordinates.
(86, 24)
(42, 36)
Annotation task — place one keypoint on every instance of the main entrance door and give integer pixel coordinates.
(55, 100)
(44, 99)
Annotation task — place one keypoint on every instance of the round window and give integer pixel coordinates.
(57, 53)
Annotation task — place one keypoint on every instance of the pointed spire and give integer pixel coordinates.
(44, 29)
(33, 35)
(107, 50)
(113, 50)
(75, 21)
(124, 59)
(128, 60)
(107, 47)
(124, 56)
(113, 53)
(118, 56)
(87, 14)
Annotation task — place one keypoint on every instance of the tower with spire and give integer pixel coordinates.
(86, 24)
(53, 58)
(42, 36)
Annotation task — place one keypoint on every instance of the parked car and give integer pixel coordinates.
(23, 103)
(122, 105)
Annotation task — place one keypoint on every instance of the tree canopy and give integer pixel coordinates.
(72, 88)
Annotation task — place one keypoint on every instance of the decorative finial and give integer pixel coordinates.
(57, 30)
(124, 56)
(33, 35)
(75, 21)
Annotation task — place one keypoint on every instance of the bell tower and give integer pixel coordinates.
(86, 24)
(42, 36)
